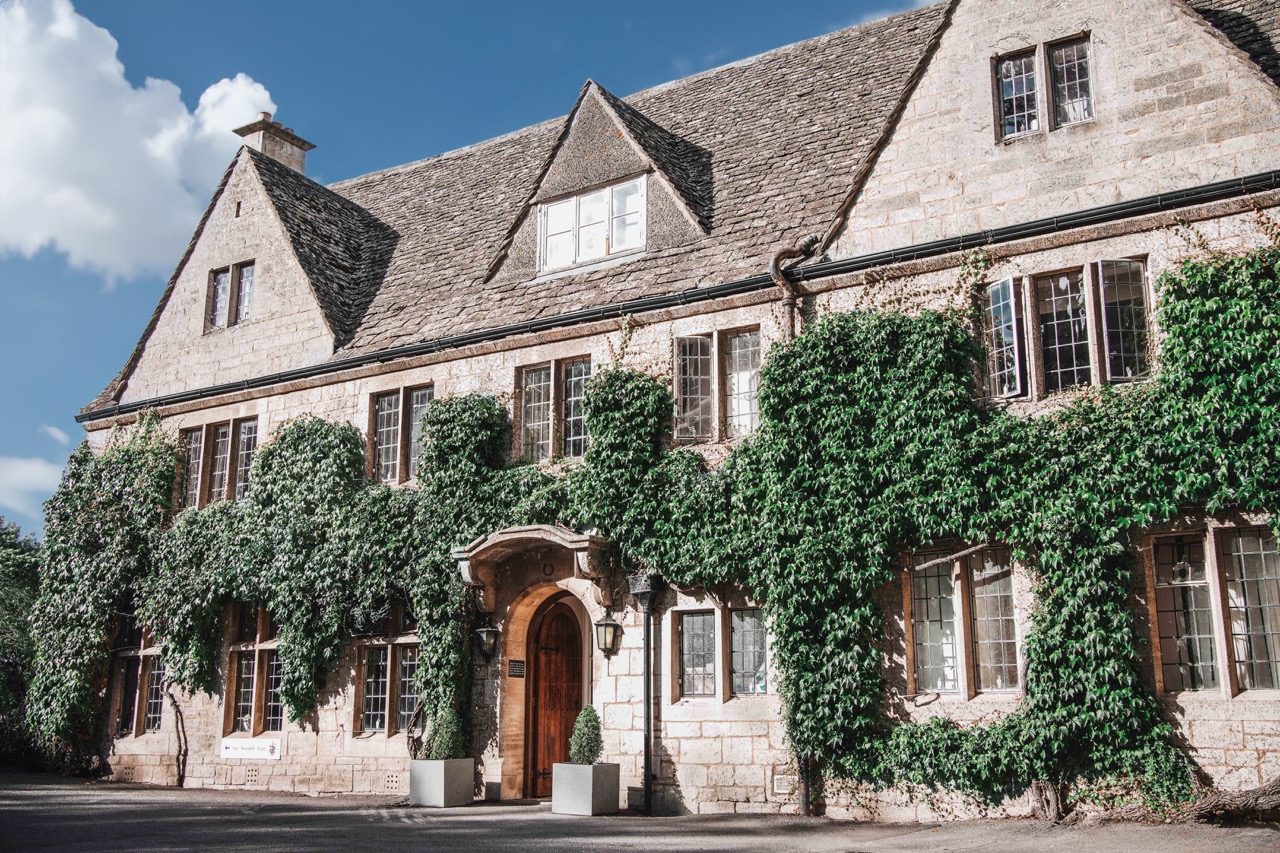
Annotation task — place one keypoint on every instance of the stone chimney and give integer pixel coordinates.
(278, 142)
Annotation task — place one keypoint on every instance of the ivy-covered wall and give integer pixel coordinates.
(873, 442)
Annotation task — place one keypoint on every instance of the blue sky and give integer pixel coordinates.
(115, 120)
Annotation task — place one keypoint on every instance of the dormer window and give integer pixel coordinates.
(592, 226)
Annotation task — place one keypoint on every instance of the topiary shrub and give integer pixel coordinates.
(586, 743)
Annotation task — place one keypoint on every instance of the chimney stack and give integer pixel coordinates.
(278, 142)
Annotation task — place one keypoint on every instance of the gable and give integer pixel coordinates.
(286, 327)
(605, 141)
(1175, 106)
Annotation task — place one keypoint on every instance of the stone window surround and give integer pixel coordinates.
(264, 641)
(1213, 529)
(209, 432)
(1026, 323)
(147, 655)
(966, 665)
(557, 403)
(400, 633)
(406, 407)
(670, 630)
(1044, 89)
(233, 295)
(719, 403)
(544, 271)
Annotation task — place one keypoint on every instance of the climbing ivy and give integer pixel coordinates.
(873, 442)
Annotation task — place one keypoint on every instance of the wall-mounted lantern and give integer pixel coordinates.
(607, 632)
(487, 638)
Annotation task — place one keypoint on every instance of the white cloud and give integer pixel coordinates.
(111, 175)
(25, 483)
(56, 434)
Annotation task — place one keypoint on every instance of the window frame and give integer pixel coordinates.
(400, 634)
(1215, 532)
(544, 207)
(404, 432)
(234, 281)
(718, 384)
(1041, 54)
(258, 647)
(962, 598)
(1033, 52)
(204, 466)
(1051, 87)
(765, 652)
(557, 408)
(681, 692)
(145, 656)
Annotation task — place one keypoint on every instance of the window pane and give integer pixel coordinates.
(697, 654)
(272, 706)
(741, 383)
(128, 694)
(628, 233)
(560, 217)
(749, 670)
(194, 441)
(591, 241)
(995, 640)
(1064, 330)
(1124, 312)
(1072, 93)
(1017, 80)
(934, 626)
(246, 445)
(1004, 346)
(535, 413)
(242, 709)
(221, 298)
(408, 690)
(221, 462)
(558, 252)
(244, 293)
(1253, 605)
(419, 400)
(373, 717)
(693, 388)
(386, 437)
(576, 374)
(592, 208)
(155, 697)
(627, 197)
(1183, 615)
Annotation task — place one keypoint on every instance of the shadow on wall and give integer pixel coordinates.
(1245, 34)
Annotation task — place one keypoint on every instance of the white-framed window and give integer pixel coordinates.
(592, 226)
(1004, 343)
(230, 295)
(395, 432)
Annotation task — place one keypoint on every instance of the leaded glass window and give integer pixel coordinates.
(535, 413)
(386, 437)
(128, 695)
(220, 299)
(742, 382)
(1064, 330)
(246, 445)
(419, 400)
(1124, 315)
(1252, 568)
(244, 292)
(408, 699)
(933, 626)
(272, 704)
(995, 637)
(1184, 615)
(1004, 345)
(242, 707)
(373, 717)
(154, 710)
(748, 652)
(697, 654)
(221, 462)
(1016, 78)
(1072, 88)
(193, 440)
(576, 375)
(694, 409)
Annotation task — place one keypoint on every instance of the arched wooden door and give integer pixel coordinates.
(555, 697)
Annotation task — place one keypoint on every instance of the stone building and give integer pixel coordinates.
(1067, 138)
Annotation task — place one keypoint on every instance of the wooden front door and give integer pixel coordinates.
(556, 695)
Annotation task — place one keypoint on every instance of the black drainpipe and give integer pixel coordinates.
(645, 588)
(801, 251)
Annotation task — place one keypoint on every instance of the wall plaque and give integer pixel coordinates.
(515, 669)
(260, 748)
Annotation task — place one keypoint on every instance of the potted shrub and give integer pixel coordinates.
(584, 786)
(440, 774)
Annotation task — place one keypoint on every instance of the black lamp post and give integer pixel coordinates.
(487, 638)
(607, 632)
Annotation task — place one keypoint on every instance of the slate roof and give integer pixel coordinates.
(764, 151)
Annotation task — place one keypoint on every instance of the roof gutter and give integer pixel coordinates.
(1203, 194)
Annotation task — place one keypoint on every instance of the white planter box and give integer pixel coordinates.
(442, 784)
(586, 789)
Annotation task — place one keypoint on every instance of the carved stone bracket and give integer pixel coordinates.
(480, 561)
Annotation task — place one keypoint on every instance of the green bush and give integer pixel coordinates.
(586, 743)
(445, 739)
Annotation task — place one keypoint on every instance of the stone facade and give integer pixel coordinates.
(1176, 107)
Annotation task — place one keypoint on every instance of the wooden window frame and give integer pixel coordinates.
(557, 403)
(207, 433)
(1051, 95)
(398, 636)
(717, 662)
(233, 295)
(719, 383)
(405, 431)
(147, 655)
(262, 643)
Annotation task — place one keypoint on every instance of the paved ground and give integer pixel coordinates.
(51, 813)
